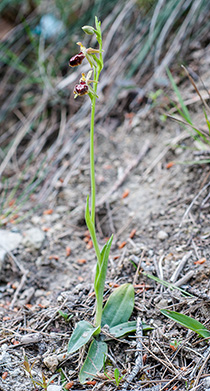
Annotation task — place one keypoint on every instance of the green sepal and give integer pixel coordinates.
(80, 336)
(119, 306)
(94, 361)
(188, 322)
(92, 92)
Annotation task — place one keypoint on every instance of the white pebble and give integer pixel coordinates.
(162, 235)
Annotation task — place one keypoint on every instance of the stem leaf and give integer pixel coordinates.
(188, 322)
(127, 327)
(101, 269)
(119, 306)
(94, 361)
(91, 228)
(80, 336)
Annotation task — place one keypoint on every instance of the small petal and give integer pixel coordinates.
(91, 50)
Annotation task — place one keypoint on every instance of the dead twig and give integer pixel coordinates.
(180, 267)
(139, 360)
(192, 203)
(205, 357)
(185, 278)
(22, 282)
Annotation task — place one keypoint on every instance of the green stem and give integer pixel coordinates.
(98, 317)
(97, 70)
(92, 170)
(92, 160)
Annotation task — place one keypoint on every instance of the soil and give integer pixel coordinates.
(152, 232)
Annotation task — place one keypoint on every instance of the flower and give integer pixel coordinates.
(81, 89)
(85, 52)
(84, 87)
(76, 60)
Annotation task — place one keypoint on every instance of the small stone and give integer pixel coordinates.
(5, 358)
(39, 292)
(36, 219)
(206, 382)
(135, 121)
(53, 387)
(62, 209)
(52, 217)
(162, 235)
(33, 238)
(178, 151)
(15, 372)
(163, 303)
(8, 241)
(51, 362)
(58, 227)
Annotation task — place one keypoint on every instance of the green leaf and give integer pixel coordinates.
(188, 322)
(185, 113)
(167, 284)
(94, 361)
(207, 120)
(127, 327)
(101, 269)
(119, 306)
(98, 62)
(80, 336)
(92, 231)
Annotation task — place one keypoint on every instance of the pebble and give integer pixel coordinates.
(51, 362)
(135, 121)
(5, 358)
(52, 218)
(15, 372)
(36, 219)
(162, 235)
(53, 387)
(162, 304)
(206, 382)
(178, 151)
(62, 209)
(33, 238)
(8, 241)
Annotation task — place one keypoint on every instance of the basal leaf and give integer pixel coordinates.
(127, 327)
(80, 336)
(94, 361)
(188, 322)
(119, 306)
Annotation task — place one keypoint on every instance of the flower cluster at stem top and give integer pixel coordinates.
(83, 87)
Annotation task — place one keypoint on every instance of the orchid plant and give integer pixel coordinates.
(119, 306)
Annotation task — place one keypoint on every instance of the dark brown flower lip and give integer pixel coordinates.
(81, 89)
(76, 60)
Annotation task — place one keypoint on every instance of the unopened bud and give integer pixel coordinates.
(88, 30)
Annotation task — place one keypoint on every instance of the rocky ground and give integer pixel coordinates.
(159, 215)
